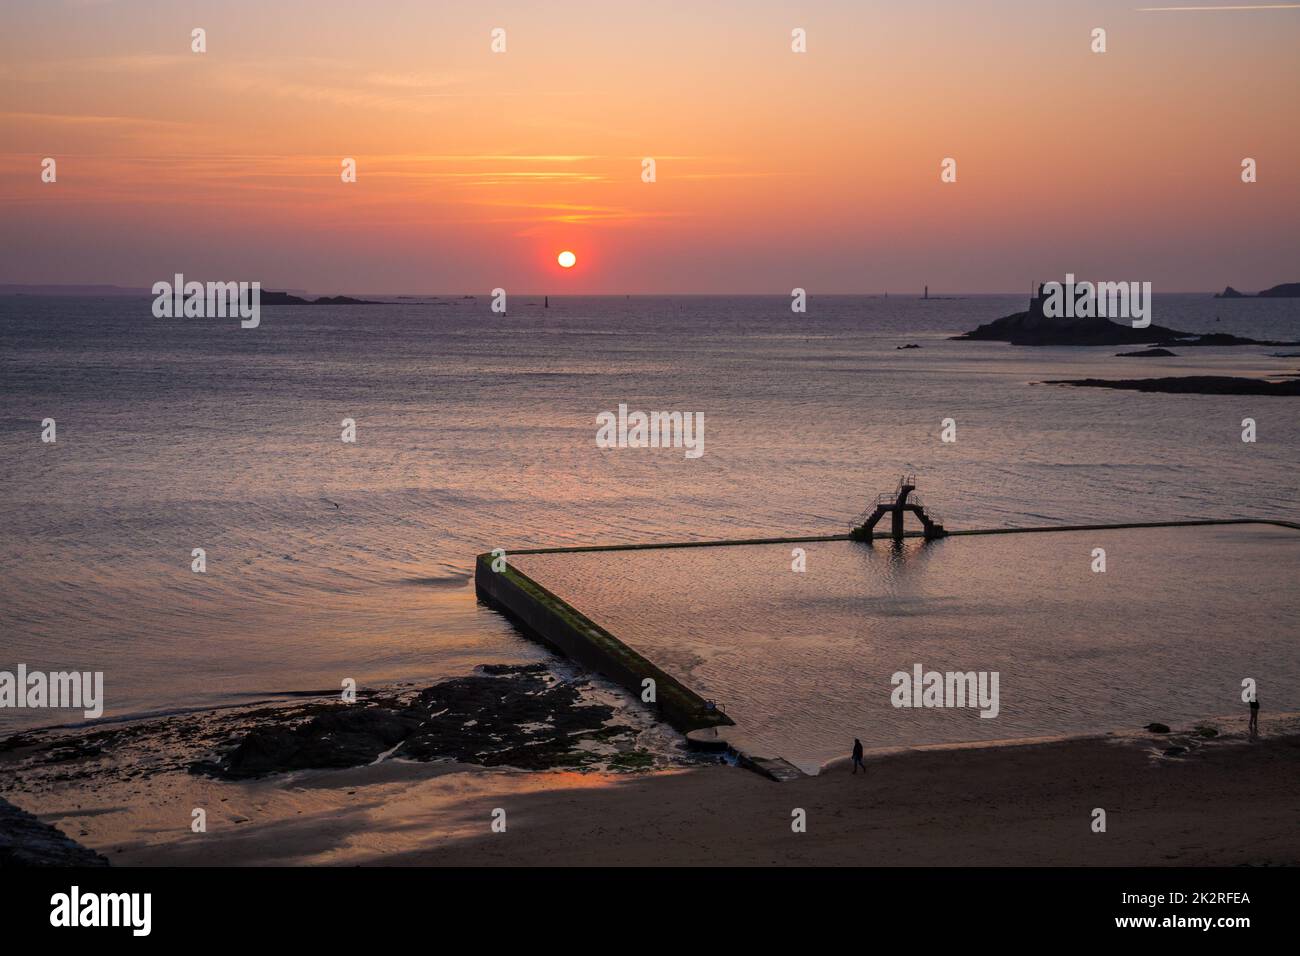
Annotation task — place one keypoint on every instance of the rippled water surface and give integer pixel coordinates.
(803, 661)
(328, 560)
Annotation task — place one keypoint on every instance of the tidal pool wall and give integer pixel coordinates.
(556, 623)
(785, 669)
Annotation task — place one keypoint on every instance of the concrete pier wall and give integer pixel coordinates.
(557, 623)
(884, 536)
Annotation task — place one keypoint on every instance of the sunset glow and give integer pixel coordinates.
(773, 169)
(905, 486)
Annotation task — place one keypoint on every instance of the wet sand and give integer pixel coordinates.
(1224, 801)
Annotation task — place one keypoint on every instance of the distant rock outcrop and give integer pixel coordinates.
(343, 300)
(1287, 290)
(1191, 385)
(284, 298)
(1147, 353)
(1026, 328)
(1035, 327)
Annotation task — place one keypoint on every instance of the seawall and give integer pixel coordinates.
(558, 624)
(884, 535)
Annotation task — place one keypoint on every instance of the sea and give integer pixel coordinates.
(182, 443)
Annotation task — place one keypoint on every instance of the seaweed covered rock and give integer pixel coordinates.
(506, 715)
(343, 736)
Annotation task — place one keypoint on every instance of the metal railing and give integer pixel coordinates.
(889, 498)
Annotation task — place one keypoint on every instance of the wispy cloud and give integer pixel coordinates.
(135, 64)
(73, 119)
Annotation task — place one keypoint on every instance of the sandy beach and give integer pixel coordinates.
(1179, 799)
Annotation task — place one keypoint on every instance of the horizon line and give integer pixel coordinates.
(941, 295)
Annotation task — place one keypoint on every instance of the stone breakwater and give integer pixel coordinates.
(558, 624)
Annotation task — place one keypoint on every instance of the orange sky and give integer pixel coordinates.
(775, 169)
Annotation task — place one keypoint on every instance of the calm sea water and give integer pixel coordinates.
(803, 661)
(328, 560)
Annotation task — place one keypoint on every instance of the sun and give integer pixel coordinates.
(567, 259)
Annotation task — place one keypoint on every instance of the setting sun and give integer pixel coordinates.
(566, 259)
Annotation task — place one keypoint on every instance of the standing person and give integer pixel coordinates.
(857, 756)
(1254, 717)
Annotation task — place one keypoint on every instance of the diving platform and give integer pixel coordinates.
(897, 504)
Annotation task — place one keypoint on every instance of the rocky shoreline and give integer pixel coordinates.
(26, 841)
(526, 717)
(513, 716)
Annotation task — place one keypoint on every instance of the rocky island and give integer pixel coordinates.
(1190, 385)
(1287, 290)
(1147, 353)
(284, 298)
(1035, 327)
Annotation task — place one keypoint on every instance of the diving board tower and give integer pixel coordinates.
(896, 504)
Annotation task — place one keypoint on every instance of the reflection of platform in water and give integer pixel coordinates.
(795, 658)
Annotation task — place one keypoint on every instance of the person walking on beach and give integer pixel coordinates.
(857, 756)
(1254, 717)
